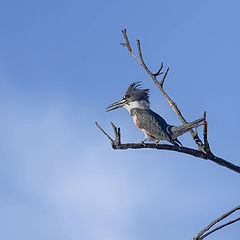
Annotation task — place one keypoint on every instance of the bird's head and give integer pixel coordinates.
(134, 95)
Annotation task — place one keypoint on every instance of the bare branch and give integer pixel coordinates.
(206, 143)
(126, 44)
(159, 71)
(217, 228)
(116, 144)
(204, 151)
(104, 132)
(200, 235)
(117, 134)
(163, 79)
(160, 86)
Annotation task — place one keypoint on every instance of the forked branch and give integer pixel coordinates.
(204, 151)
(159, 84)
(116, 144)
(117, 134)
(205, 232)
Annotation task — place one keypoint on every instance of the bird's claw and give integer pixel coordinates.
(142, 143)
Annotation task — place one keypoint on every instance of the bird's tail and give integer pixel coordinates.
(179, 130)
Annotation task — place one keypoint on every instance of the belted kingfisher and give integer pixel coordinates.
(136, 101)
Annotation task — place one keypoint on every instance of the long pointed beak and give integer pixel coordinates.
(116, 105)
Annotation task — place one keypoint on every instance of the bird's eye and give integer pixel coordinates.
(127, 96)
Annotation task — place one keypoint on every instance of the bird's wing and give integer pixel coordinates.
(153, 123)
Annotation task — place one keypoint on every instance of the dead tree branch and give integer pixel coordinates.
(205, 232)
(173, 105)
(206, 143)
(116, 144)
(204, 151)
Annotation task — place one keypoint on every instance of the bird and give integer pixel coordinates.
(154, 127)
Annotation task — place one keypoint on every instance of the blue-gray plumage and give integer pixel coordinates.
(136, 101)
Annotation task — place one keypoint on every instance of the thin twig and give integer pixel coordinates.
(104, 132)
(163, 79)
(200, 234)
(159, 71)
(206, 143)
(116, 131)
(127, 44)
(217, 228)
(135, 58)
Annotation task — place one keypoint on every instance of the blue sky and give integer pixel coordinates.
(61, 64)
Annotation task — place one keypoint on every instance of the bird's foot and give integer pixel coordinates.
(156, 142)
(174, 143)
(142, 143)
(177, 145)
